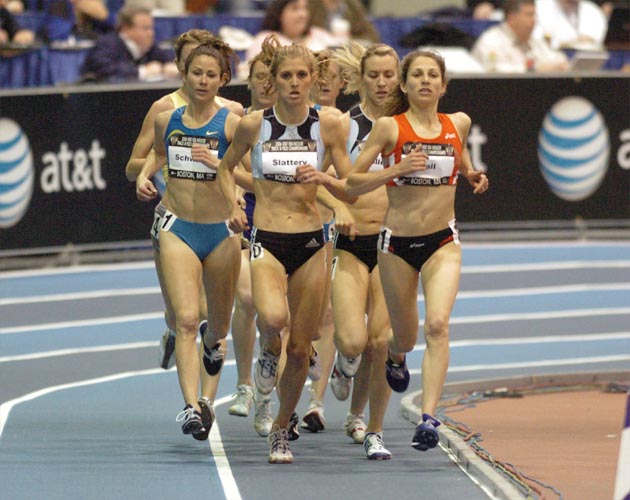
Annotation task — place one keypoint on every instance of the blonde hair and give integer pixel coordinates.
(351, 59)
(274, 54)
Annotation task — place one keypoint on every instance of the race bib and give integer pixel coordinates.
(180, 162)
(280, 158)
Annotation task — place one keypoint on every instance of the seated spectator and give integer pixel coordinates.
(350, 14)
(160, 7)
(510, 48)
(571, 23)
(485, 9)
(10, 31)
(70, 19)
(129, 53)
(290, 20)
(16, 6)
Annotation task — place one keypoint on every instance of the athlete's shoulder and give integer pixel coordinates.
(460, 119)
(233, 106)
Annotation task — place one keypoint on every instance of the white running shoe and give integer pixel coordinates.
(355, 427)
(348, 366)
(313, 420)
(374, 447)
(279, 451)
(266, 372)
(166, 358)
(262, 415)
(340, 384)
(242, 401)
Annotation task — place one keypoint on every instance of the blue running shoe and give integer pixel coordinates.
(212, 358)
(426, 435)
(397, 375)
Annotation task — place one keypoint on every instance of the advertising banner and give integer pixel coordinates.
(553, 149)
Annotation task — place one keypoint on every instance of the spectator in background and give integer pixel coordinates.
(10, 30)
(510, 48)
(70, 19)
(130, 52)
(16, 6)
(571, 23)
(290, 20)
(160, 7)
(485, 10)
(339, 15)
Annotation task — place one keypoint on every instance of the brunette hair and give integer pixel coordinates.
(221, 51)
(398, 102)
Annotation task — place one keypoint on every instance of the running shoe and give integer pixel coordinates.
(426, 435)
(294, 430)
(207, 419)
(266, 372)
(167, 349)
(262, 415)
(374, 447)
(339, 384)
(348, 366)
(242, 401)
(355, 427)
(212, 357)
(279, 451)
(314, 366)
(397, 374)
(313, 420)
(192, 420)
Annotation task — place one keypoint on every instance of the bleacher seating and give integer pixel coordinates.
(45, 66)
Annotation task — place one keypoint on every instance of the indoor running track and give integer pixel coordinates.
(85, 413)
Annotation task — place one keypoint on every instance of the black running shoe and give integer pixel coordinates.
(192, 420)
(294, 430)
(397, 375)
(212, 357)
(207, 419)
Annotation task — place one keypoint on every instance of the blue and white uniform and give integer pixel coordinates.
(178, 138)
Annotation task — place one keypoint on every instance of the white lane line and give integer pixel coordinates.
(7, 406)
(569, 313)
(87, 295)
(226, 477)
(534, 364)
(228, 483)
(542, 290)
(27, 273)
(155, 290)
(582, 337)
(457, 320)
(546, 266)
(578, 337)
(77, 350)
(111, 320)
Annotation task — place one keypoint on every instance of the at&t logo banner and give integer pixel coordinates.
(16, 173)
(573, 148)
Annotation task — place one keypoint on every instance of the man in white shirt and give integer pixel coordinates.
(571, 23)
(509, 47)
